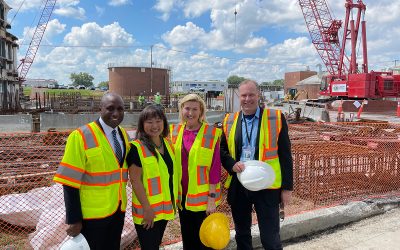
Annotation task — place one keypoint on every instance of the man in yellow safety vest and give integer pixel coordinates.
(94, 173)
(260, 134)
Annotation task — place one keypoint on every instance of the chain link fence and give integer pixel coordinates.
(333, 163)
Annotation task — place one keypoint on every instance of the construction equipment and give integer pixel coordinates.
(345, 79)
(27, 61)
(293, 94)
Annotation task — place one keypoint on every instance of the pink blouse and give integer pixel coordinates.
(215, 171)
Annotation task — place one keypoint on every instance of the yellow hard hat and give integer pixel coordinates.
(214, 231)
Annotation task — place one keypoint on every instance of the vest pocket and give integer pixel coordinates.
(95, 160)
(154, 186)
(202, 175)
(204, 156)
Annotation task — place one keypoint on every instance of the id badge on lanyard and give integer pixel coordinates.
(247, 153)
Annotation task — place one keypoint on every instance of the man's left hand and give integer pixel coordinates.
(286, 197)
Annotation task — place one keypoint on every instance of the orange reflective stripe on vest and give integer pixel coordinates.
(271, 148)
(158, 208)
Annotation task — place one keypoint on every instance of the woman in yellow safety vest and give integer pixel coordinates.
(197, 155)
(153, 176)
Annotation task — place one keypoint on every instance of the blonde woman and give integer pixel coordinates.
(197, 155)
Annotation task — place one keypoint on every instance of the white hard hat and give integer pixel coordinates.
(76, 243)
(257, 175)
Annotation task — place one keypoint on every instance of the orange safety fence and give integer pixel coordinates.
(333, 163)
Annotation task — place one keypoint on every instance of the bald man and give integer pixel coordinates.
(94, 173)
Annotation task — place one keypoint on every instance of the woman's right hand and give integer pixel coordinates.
(148, 218)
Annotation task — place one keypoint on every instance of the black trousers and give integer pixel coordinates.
(150, 239)
(190, 227)
(104, 233)
(266, 204)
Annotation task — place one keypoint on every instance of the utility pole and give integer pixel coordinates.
(151, 69)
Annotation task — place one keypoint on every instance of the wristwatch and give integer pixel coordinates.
(212, 195)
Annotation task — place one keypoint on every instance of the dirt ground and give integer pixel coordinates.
(378, 232)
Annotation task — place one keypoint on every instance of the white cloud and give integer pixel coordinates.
(54, 27)
(60, 62)
(99, 10)
(184, 36)
(69, 11)
(165, 7)
(119, 2)
(93, 34)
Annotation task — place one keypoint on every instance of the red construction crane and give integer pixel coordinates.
(27, 61)
(345, 80)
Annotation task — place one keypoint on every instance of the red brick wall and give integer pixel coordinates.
(291, 78)
(131, 81)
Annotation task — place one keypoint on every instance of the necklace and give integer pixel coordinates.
(158, 147)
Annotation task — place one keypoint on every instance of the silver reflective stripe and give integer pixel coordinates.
(202, 175)
(136, 210)
(200, 200)
(147, 152)
(272, 153)
(208, 137)
(175, 132)
(101, 179)
(89, 137)
(229, 123)
(154, 185)
(68, 172)
(90, 179)
(273, 130)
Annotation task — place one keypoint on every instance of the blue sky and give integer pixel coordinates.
(196, 38)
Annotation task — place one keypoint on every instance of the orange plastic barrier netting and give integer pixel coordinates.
(333, 163)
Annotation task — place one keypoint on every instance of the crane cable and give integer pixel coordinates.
(22, 3)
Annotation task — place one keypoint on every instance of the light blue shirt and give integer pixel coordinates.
(252, 129)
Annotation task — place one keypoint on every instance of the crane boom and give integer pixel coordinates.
(36, 39)
(324, 33)
(345, 79)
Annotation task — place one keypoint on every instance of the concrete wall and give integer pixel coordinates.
(15, 123)
(72, 121)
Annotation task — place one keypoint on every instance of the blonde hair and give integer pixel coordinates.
(193, 98)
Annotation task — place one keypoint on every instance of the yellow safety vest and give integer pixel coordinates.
(271, 125)
(155, 180)
(90, 165)
(199, 164)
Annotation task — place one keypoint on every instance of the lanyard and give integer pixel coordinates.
(251, 130)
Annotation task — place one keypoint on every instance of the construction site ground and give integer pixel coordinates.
(377, 232)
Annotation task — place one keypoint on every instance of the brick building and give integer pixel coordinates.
(9, 84)
(132, 81)
(292, 78)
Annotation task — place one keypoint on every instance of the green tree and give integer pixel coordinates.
(233, 81)
(103, 84)
(82, 78)
(279, 82)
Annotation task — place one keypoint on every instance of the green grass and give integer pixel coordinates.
(83, 92)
